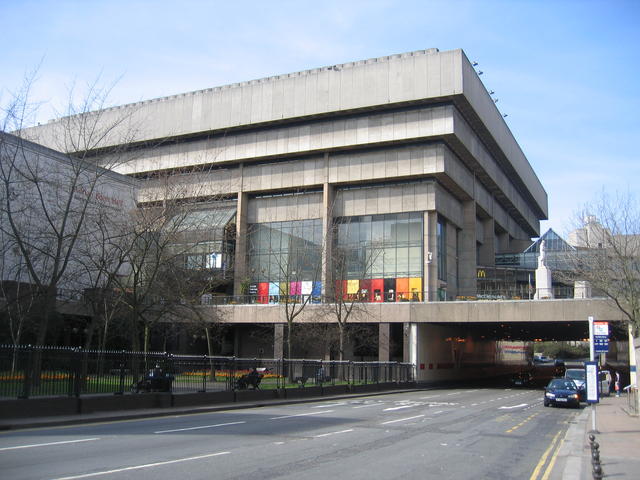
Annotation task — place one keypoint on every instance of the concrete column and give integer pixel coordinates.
(278, 340)
(384, 334)
(241, 272)
(430, 254)
(502, 242)
(328, 200)
(411, 353)
(488, 248)
(468, 261)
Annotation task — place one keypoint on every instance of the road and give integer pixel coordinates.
(464, 433)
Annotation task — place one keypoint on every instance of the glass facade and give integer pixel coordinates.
(205, 238)
(379, 257)
(285, 251)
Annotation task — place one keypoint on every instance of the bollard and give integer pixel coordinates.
(597, 472)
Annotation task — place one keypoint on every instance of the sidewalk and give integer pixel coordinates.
(618, 435)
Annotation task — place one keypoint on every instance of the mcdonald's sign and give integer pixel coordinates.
(481, 273)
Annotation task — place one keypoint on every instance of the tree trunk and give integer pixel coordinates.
(212, 371)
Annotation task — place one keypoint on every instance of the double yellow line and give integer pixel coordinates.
(555, 448)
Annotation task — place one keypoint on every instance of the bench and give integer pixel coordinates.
(251, 379)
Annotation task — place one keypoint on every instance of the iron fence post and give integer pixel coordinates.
(28, 373)
(77, 373)
(122, 365)
(204, 374)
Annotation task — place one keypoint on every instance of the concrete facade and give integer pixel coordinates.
(414, 132)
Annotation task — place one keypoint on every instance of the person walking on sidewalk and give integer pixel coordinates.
(617, 384)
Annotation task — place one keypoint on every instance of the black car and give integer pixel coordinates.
(562, 391)
(522, 379)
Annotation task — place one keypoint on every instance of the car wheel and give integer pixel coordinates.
(546, 404)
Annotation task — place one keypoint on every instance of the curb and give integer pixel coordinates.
(54, 422)
(573, 447)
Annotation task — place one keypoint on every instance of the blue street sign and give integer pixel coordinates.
(600, 344)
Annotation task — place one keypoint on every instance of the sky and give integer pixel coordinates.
(566, 73)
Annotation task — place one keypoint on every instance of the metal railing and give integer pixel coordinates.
(632, 399)
(29, 371)
(386, 297)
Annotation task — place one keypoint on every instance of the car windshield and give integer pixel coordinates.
(564, 384)
(576, 374)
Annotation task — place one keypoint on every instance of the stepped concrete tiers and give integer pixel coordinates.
(408, 150)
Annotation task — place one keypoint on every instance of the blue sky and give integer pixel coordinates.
(565, 72)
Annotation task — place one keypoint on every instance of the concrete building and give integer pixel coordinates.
(403, 164)
(55, 216)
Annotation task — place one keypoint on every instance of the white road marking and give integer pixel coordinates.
(401, 420)
(199, 427)
(139, 467)
(333, 433)
(330, 405)
(370, 405)
(49, 444)
(398, 408)
(301, 415)
(514, 406)
(439, 411)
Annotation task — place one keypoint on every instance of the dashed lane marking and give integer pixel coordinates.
(401, 420)
(140, 467)
(199, 427)
(49, 444)
(333, 433)
(301, 415)
(526, 420)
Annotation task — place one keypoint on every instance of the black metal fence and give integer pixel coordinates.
(28, 371)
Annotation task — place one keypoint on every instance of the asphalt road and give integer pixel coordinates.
(471, 433)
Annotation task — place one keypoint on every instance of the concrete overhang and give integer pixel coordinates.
(509, 311)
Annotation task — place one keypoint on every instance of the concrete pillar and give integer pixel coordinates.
(384, 335)
(467, 261)
(430, 254)
(278, 340)
(487, 251)
(328, 200)
(241, 267)
(412, 344)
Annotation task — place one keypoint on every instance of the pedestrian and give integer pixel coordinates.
(617, 384)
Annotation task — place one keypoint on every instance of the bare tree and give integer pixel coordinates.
(608, 251)
(47, 197)
(607, 256)
(174, 259)
(348, 296)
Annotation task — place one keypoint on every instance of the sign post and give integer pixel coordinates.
(587, 372)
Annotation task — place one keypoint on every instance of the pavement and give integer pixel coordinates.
(617, 432)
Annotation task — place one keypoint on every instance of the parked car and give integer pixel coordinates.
(561, 391)
(579, 376)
